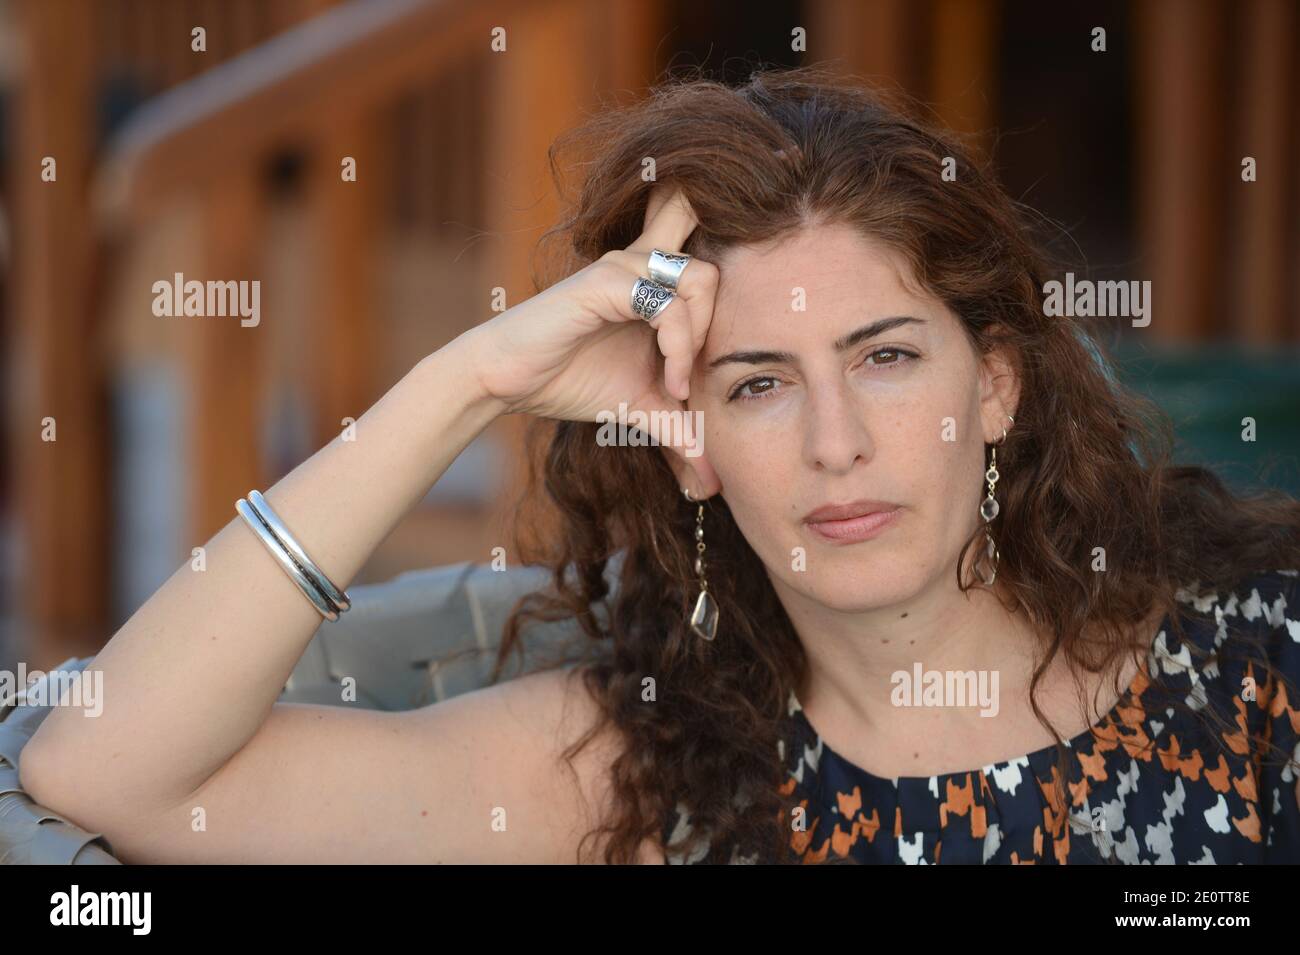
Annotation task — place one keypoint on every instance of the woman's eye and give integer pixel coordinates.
(895, 357)
(743, 394)
(898, 356)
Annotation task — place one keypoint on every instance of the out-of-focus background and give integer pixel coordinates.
(218, 155)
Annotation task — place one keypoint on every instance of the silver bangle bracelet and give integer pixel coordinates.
(275, 536)
(332, 593)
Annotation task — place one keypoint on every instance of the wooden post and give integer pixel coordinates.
(525, 116)
(1268, 105)
(876, 41)
(346, 227)
(633, 31)
(1180, 181)
(223, 360)
(62, 487)
(964, 69)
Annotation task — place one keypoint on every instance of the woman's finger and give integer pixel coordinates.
(659, 194)
(699, 304)
(682, 335)
(685, 319)
(683, 323)
(671, 224)
(674, 339)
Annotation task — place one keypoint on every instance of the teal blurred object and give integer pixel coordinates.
(1208, 389)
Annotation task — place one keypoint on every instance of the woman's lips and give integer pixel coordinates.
(855, 529)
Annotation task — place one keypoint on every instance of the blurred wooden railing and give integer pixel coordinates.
(319, 89)
(305, 83)
(321, 85)
(315, 88)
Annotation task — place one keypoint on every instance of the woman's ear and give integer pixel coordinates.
(692, 470)
(999, 393)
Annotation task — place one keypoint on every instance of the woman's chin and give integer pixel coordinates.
(850, 591)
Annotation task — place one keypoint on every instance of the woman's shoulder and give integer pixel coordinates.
(1237, 651)
(1257, 615)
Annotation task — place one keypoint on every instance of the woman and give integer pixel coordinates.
(904, 468)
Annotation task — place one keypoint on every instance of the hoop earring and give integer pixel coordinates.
(986, 565)
(704, 618)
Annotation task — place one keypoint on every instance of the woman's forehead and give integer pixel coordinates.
(823, 281)
(830, 260)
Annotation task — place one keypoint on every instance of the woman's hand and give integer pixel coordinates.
(578, 349)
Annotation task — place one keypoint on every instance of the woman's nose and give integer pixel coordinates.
(836, 432)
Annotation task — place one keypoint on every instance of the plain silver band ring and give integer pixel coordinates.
(273, 544)
(1003, 440)
(666, 267)
(323, 583)
(649, 298)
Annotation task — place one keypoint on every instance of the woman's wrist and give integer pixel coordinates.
(460, 362)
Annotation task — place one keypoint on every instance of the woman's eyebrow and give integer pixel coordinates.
(842, 344)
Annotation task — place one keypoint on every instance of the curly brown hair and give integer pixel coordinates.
(1087, 463)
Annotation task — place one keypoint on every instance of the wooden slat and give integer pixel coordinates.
(1293, 236)
(431, 194)
(463, 154)
(175, 22)
(55, 368)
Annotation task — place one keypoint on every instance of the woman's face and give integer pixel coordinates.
(803, 408)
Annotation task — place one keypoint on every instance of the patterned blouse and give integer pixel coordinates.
(1147, 783)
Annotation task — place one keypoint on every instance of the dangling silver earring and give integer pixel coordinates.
(986, 565)
(704, 618)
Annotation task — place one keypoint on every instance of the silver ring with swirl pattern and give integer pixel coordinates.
(649, 298)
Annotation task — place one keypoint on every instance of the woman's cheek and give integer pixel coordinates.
(748, 433)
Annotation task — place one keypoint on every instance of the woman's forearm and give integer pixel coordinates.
(190, 677)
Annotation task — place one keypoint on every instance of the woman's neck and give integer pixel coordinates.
(938, 683)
